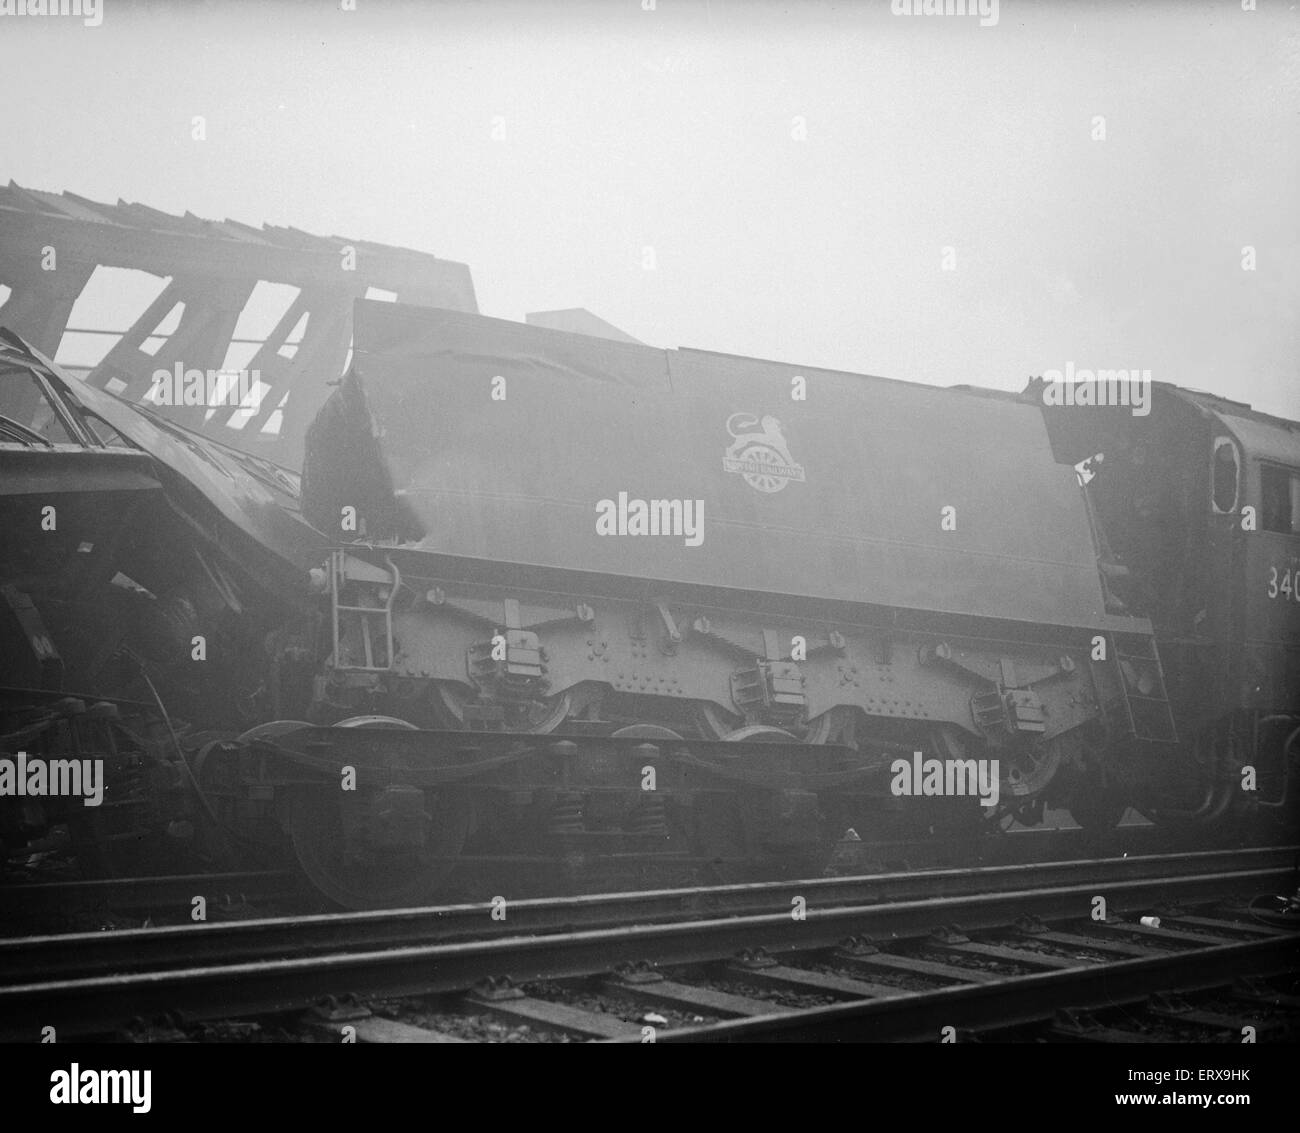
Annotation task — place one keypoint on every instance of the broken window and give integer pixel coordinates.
(27, 412)
(103, 432)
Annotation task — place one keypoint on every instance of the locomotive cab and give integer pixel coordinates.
(1197, 514)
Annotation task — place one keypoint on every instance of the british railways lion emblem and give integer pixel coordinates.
(761, 456)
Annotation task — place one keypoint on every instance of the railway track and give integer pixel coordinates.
(90, 954)
(61, 905)
(876, 957)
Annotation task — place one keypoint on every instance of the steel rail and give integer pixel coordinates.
(82, 955)
(102, 1003)
(28, 958)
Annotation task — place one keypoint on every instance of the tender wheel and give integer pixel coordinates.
(322, 825)
(389, 722)
(375, 849)
(1096, 800)
(764, 733)
(645, 732)
(726, 826)
(271, 729)
(1028, 773)
(1097, 810)
(833, 726)
(713, 723)
(451, 700)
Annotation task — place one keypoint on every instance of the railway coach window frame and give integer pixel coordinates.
(30, 403)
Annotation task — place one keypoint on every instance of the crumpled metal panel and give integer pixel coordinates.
(228, 492)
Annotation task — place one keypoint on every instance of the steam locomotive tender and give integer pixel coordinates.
(548, 598)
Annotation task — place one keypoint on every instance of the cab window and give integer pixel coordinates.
(1279, 490)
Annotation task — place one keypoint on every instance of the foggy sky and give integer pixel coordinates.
(672, 129)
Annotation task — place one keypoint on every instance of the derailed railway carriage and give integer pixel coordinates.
(541, 598)
(142, 569)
